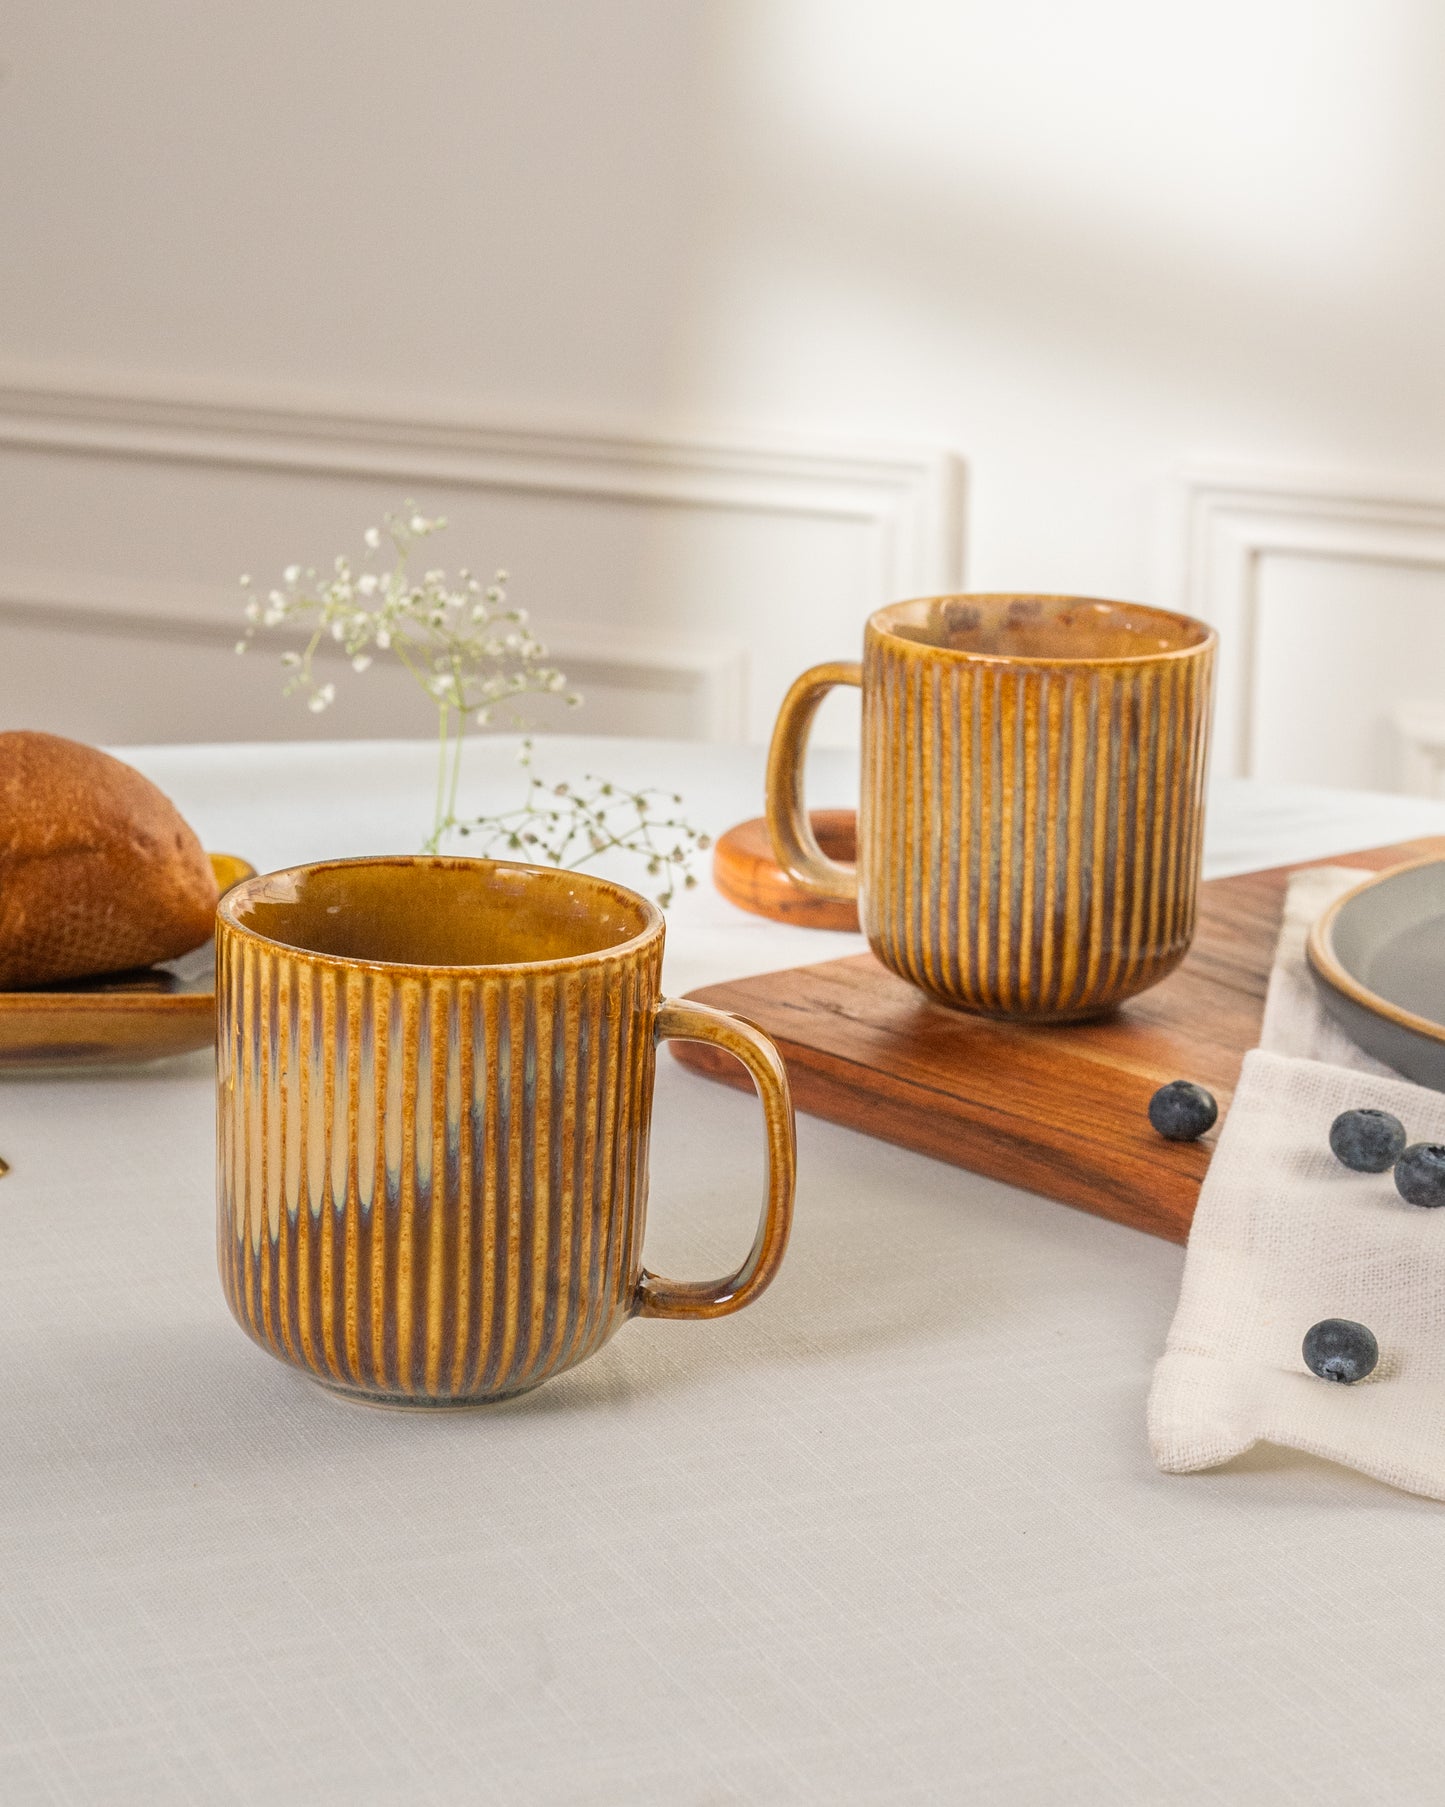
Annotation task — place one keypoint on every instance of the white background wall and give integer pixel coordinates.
(1157, 273)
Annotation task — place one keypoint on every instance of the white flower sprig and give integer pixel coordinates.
(471, 653)
(568, 825)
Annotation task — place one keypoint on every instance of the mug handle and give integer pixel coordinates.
(679, 1019)
(795, 846)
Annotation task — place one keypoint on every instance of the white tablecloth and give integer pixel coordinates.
(891, 1535)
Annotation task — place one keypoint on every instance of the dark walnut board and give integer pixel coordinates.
(1058, 1110)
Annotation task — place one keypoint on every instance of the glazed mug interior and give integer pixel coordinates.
(1040, 629)
(442, 913)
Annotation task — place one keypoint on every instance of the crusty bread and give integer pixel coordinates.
(97, 870)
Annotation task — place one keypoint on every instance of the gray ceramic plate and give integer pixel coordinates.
(1378, 957)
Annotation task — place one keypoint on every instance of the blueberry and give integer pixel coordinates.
(1337, 1349)
(1182, 1111)
(1368, 1141)
(1420, 1174)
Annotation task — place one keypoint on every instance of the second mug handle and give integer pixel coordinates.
(795, 847)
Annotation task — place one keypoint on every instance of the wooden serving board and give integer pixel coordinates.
(1061, 1110)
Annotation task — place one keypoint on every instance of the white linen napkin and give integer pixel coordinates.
(1284, 1236)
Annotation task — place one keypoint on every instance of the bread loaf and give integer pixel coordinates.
(98, 872)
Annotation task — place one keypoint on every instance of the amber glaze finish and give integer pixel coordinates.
(747, 874)
(434, 1090)
(1062, 1111)
(1031, 820)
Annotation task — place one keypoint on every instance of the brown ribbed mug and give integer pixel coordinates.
(434, 1092)
(1032, 809)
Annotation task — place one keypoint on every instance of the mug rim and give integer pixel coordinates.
(880, 623)
(653, 928)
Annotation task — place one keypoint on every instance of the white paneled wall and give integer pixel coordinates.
(690, 312)
(1345, 654)
(680, 584)
(1330, 603)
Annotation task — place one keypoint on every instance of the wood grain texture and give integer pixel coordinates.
(1058, 1109)
(746, 872)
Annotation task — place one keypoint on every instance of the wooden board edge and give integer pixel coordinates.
(1166, 1177)
(1160, 1200)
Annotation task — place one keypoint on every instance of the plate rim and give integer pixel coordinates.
(1328, 968)
(125, 1003)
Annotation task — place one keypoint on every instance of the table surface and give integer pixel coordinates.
(891, 1535)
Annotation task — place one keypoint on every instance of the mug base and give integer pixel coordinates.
(1043, 1019)
(403, 1402)
(1094, 1011)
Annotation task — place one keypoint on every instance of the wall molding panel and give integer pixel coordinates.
(891, 519)
(709, 684)
(1231, 525)
(916, 498)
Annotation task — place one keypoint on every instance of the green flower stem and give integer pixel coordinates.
(438, 813)
(458, 680)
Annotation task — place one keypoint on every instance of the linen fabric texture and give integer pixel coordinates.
(1284, 1235)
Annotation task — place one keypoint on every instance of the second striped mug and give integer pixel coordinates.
(1032, 807)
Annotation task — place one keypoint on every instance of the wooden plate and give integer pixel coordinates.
(744, 870)
(148, 1014)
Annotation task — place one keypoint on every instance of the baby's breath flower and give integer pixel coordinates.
(446, 635)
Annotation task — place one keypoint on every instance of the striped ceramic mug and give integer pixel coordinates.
(434, 1094)
(1032, 810)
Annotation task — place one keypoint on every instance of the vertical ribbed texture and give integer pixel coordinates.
(1031, 834)
(431, 1186)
